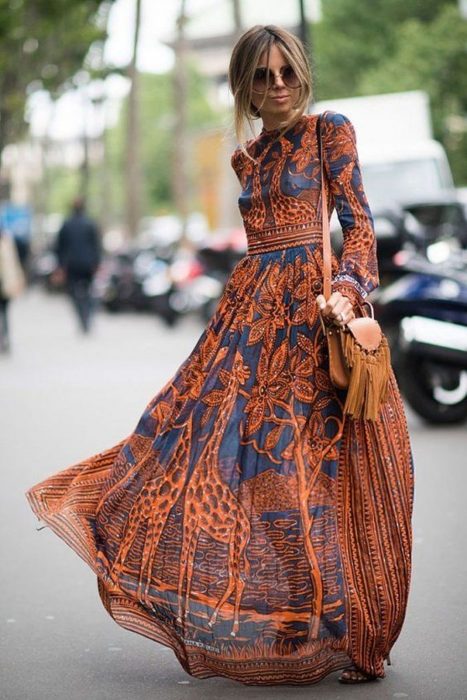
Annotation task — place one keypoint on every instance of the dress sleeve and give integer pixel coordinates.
(358, 269)
(236, 162)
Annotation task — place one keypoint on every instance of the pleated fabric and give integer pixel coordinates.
(246, 523)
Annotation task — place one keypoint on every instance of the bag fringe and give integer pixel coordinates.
(369, 377)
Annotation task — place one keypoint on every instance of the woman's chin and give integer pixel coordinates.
(280, 112)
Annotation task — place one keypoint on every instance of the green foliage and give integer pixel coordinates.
(434, 57)
(157, 121)
(42, 45)
(379, 46)
(355, 37)
(65, 183)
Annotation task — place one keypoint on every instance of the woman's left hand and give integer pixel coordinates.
(338, 308)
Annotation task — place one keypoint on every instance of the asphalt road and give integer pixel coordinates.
(64, 397)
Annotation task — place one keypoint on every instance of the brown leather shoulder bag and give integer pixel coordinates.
(359, 357)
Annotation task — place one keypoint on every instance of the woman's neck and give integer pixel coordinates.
(270, 125)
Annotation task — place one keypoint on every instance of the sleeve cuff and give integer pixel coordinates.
(349, 290)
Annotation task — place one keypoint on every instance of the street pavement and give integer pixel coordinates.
(64, 397)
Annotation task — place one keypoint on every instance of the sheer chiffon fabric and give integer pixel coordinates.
(245, 522)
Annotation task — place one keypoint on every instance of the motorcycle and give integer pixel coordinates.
(199, 276)
(135, 279)
(114, 284)
(424, 315)
(194, 289)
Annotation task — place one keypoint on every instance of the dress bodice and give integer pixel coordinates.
(280, 196)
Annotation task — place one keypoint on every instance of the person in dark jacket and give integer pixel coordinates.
(79, 254)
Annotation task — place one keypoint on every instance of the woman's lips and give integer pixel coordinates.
(280, 98)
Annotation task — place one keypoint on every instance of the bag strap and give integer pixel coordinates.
(327, 271)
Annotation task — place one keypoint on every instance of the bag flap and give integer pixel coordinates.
(366, 331)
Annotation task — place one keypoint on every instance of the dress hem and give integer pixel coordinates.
(133, 616)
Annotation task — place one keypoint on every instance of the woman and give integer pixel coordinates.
(12, 283)
(246, 523)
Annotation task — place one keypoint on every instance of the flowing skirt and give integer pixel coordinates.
(246, 522)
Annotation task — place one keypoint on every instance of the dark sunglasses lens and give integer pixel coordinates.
(263, 78)
(260, 79)
(290, 77)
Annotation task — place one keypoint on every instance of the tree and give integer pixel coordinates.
(180, 87)
(237, 17)
(42, 45)
(353, 38)
(157, 143)
(434, 59)
(377, 46)
(133, 166)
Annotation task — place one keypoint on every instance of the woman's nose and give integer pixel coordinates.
(278, 77)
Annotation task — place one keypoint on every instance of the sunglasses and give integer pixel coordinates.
(264, 78)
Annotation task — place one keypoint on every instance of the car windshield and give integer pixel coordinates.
(402, 181)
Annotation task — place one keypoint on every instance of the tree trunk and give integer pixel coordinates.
(180, 182)
(84, 169)
(306, 37)
(237, 17)
(303, 23)
(3, 131)
(107, 210)
(133, 155)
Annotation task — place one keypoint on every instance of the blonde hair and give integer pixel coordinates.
(245, 57)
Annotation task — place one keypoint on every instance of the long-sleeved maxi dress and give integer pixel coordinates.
(246, 522)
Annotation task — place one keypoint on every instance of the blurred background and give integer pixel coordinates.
(126, 104)
(116, 121)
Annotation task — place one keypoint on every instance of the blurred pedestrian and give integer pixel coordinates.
(79, 253)
(12, 283)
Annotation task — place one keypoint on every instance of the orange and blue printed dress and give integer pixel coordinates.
(246, 522)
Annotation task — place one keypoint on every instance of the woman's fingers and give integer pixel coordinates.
(326, 307)
(337, 307)
(341, 311)
(321, 301)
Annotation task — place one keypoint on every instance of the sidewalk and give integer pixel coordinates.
(62, 398)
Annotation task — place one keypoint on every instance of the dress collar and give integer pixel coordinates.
(273, 133)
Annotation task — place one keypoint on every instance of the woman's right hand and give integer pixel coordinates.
(338, 308)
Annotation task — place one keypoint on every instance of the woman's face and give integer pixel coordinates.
(277, 103)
